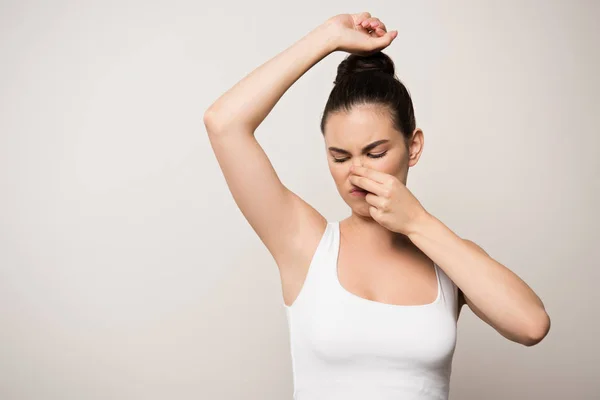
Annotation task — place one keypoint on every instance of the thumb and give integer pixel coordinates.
(386, 39)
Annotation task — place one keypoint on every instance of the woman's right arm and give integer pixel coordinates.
(248, 102)
(284, 222)
(279, 217)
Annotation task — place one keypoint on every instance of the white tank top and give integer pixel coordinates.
(347, 347)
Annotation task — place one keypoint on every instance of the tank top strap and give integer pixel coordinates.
(326, 252)
(444, 286)
(448, 291)
(440, 285)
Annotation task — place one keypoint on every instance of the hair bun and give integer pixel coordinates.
(354, 64)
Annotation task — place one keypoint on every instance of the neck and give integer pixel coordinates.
(374, 234)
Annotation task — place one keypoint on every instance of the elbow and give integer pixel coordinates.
(216, 122)
(211, 120)
(538, 330)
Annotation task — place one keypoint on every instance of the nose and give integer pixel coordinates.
(357, 163)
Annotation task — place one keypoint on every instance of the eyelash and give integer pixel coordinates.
(369, 155)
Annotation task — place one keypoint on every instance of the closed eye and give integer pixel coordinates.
(339, 160)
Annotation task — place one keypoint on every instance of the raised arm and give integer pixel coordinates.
(282, 220)
(247, 103)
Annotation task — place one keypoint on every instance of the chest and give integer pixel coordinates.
(391, 279)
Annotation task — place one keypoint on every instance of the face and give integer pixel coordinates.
(366, 137)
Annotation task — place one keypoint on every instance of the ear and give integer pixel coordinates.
(415, 147)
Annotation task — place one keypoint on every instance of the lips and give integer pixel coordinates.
(357, 189)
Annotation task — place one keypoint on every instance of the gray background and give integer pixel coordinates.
(127, 271)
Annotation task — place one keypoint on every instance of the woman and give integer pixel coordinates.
(372, 301)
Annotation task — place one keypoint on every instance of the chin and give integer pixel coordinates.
(360, 207)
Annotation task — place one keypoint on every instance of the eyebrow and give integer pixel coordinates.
(365, 149)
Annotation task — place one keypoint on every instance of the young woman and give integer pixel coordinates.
(372, 300)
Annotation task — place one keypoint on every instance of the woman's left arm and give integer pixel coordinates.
(494, 293)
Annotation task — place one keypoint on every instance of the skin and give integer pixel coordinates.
(376, 263)
(352, 131)
(291, 228)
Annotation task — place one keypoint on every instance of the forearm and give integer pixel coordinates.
(250, 100)
(499, 295)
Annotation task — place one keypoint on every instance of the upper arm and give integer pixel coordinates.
(279, 217)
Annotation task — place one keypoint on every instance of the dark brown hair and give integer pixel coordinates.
(371, 80)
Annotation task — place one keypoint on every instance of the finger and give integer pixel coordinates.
(382, 25)
(377, 176)
(362, 17)
(375, 201)
(367, 22)
(368, 184)
(370, 26)
(374, 23)
(376, 28)
(386, 39)
(380, 32)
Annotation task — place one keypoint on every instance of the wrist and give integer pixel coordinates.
(419, 223)
(326, 35)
